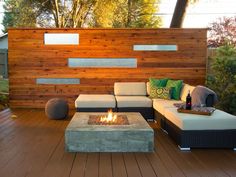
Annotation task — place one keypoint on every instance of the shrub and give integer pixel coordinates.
(223, 78)
(4, 99)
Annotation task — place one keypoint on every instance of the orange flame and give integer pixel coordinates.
(109, 118)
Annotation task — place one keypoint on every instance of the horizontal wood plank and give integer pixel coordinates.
(30, 59)
(32, 145)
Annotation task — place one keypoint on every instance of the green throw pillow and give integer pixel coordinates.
(158, 82)
(176, 85)
(160, 92)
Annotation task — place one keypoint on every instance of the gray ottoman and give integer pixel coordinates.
(57, 108)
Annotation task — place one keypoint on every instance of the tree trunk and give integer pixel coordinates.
(129, 14)
(179, 13)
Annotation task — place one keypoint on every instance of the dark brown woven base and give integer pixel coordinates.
(199, 138)
(95, 109)
(147, 113)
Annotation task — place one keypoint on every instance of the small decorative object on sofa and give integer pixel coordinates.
(188, 101)
(200, 95)
(158, 82)
(197, 110)
(176, 86)
(160, 92)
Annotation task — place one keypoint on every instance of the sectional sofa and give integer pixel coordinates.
(187, 130)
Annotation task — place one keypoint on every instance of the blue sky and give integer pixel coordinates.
(199, 15)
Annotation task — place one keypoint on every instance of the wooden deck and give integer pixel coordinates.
(33, 146)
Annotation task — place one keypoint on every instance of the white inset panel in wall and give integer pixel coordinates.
(61, 38)
(103, 62)
(57, 81)
(155, 47)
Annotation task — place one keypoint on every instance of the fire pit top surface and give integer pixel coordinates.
(98, 120)
(80, 121)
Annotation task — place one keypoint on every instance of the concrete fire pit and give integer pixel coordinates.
(137, 136)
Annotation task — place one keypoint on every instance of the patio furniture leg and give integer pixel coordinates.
(184, 149)
(164, 131)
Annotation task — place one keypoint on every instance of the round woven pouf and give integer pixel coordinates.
(57, 108)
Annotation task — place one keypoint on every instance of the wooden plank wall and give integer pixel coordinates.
(29, 59)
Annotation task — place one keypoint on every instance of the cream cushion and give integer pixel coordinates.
(219, 120)
(184, 91)
(160, 104)
(130, 88)
(148, 88)
(95, 101)
(133, 101)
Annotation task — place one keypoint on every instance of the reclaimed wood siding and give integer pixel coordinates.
(30, 59)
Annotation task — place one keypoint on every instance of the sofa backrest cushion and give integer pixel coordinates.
(184, 91)
(148, 88)
(130, 88)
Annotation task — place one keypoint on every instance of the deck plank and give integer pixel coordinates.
(105, 165)
(158, 166)
(36, 159)
(59, 162)
(144, 165)
(118, 165)
(23, 137)
(79, 165)
(92, 165)
(175, 170)
(210, 162)
(190, 166)
(31, 145)
(132, 165)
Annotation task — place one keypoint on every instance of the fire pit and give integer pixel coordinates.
(97, 132)
(108, 119)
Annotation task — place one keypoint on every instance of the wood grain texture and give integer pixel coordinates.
(30, 59)
(33, 146)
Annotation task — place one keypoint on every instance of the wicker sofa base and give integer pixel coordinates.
(95, 109)
(187, 139)
(146, 112)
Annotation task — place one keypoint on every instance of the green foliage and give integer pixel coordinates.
(4, 97)
(141, 14)
(105, 13)
(18, 13)
(4, 86)
(127, 14)
(4, 100)
(81, 13)
(223, 79)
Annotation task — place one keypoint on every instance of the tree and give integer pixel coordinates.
(223, 79)
(222, 31)
(64, 13)
(18, 13)
(179, 13)
(127, 14)
(87, 13)
(141, 14)
(105, 12)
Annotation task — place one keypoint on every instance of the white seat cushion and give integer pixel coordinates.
(95, 101)
(130, 88)
(160, 104)
(133, 101)
(184, 91)
(219, 120)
